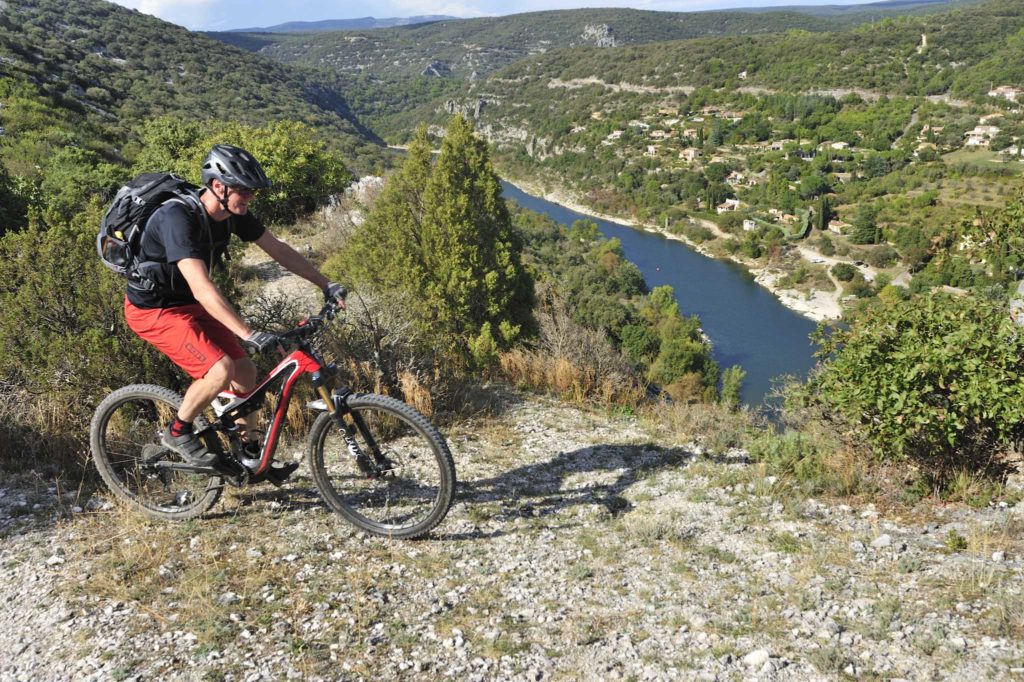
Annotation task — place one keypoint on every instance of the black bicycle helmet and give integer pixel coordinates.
(235, 167)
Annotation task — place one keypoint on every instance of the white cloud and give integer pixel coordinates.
(188, 13)
(411, 8)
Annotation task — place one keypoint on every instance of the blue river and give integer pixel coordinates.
(747, 325)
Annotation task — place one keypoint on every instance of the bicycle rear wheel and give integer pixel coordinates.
(125, 440)
(389, 473)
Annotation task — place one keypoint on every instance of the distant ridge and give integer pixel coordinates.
(904, 6)
(362, 23)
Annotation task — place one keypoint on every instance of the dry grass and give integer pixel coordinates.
(570, 381)
(41, 433)
(716, 428)
(576, 363)
(415, 393)
(1005, 536)
(223, 580)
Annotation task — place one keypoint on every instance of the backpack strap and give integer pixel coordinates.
(190, 200)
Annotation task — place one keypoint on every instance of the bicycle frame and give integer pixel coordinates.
(230, 406)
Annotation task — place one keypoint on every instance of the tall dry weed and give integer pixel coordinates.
(39, 432)
(572, 361)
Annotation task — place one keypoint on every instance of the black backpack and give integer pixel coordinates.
(121, 229)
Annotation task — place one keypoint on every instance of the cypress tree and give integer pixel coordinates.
(824, 213)
(387, 250)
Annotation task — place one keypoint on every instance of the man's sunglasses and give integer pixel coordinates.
(244, 192)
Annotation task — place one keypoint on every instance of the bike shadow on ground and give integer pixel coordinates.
(298, 494)
(597, 476)
(540, 493)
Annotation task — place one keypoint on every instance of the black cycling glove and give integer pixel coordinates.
(261, 341)
(335, 292)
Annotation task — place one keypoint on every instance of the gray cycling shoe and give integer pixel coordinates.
(278, 473)
(190, 448)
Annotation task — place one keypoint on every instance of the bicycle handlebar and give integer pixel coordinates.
(312, 325)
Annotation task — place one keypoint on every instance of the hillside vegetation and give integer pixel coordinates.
(461, 290)
(634, 522)
(118, 67)
(965, 51)
(391, 71)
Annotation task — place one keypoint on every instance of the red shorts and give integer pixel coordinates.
(187, 334)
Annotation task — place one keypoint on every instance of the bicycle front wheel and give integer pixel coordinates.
(389, 472)
(125, 439)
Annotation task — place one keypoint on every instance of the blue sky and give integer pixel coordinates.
(222, 15)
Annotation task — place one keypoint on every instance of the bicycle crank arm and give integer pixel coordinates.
(190, 468)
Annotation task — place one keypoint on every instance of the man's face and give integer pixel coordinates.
(238, 198)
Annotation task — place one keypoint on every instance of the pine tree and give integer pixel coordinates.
(865, 228)
(442, 235)
(476, 281)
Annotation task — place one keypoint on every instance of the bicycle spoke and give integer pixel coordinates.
(405, 484)
(126, 447)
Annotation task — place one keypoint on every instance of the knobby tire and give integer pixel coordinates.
(417, 490)
(125, 434)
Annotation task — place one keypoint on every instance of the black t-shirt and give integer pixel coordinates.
(174, 232)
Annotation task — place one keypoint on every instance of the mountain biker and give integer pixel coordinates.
(185, 316)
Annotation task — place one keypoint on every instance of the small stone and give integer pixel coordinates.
(756, 658)
(881, 541)
(999, 556)
(957, 643)
(228, 598)
(97, 504)
(55, 560)
(858, 547)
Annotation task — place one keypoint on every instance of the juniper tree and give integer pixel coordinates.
(442, 236)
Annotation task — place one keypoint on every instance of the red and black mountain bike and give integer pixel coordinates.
(376, 461)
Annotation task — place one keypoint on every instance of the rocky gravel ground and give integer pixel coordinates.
(580, 547)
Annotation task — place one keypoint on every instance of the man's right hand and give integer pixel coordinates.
(336, 293)
(261, 341)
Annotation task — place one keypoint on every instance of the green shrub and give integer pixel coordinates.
(732, 386)
(881, 256)
(64, 338)
(791, 454)
(698, 234)
(304, 172)
(844, 272)
(441, 236)
(936, 379)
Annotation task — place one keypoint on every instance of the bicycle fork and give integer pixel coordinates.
(349, 423)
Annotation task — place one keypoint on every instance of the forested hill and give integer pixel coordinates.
(396, 76)
(878, 10)
(122, 67)
(481, 46)
(962, 52)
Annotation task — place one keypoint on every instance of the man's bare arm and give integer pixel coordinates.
(291, 259)
(206, 293)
